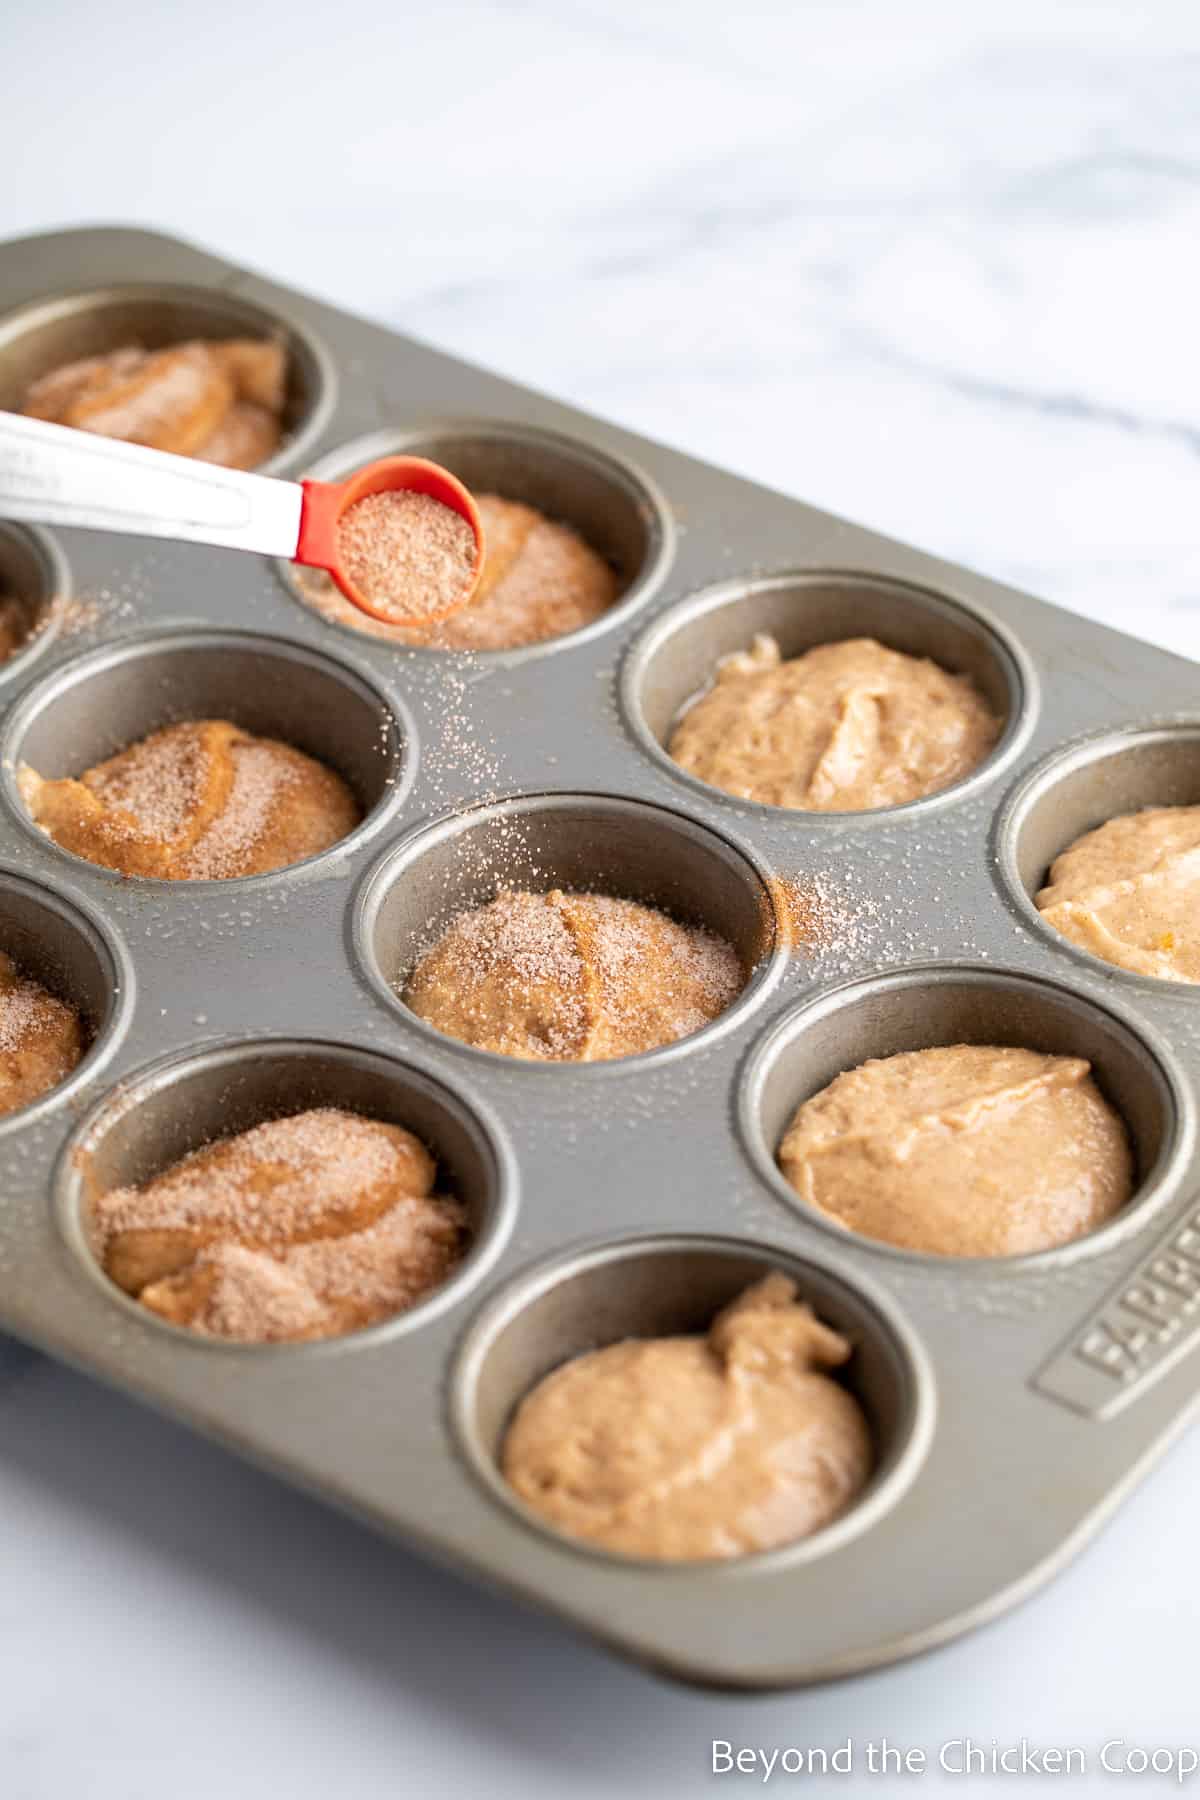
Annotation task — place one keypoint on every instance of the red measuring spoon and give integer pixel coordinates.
(55, 475)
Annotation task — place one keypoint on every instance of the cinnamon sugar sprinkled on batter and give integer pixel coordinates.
(24, 1002)
(179, 386)
(158, 782)
(259, 777)
(41, 1038)
(410, 554)
(300, 1227)
(572, 977)
(202, 800)
(221, 400)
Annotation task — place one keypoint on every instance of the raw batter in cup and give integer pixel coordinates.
(843, 728)
(1130, 891)
(302, 1227)
(566, 977)
(697, 1448)
(540, 579)
(219, 400)
(963, 1150)
(202, 801)
(41, 1038)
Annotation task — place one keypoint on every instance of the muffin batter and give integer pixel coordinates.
(220, 400)
(691, 1448)
(966, 1150)
(1130, 890)
(304, 1227)
(539, 580)
(203, 801)
(566, 977)
(844, 727)
(41, 1039)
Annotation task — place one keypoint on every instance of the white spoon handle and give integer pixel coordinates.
(54, 475)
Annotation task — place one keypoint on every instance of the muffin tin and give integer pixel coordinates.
(1012, 1402)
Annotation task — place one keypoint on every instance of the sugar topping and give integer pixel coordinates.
(304, 1226)
(221, 400)
(143, 411)
(202, 800)
(260, 775)
(572, 977)
(41, 1038)
(157, 781)
(278, 1182)
(21, 1007)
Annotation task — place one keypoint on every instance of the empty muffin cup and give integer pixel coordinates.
(675, 660)
(105, 701)
(939, 1005)
(186, 1103)
(646, 1288)
(51, 333)
(579, 843)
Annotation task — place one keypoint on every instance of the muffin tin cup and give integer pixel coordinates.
(78, 959)
(611, 504)
(589, 843)
(677, 657)
(675, 1286)
(1014, 1400)
(107, 699)
(45, 334)
(922, 1008)
(179, 1105)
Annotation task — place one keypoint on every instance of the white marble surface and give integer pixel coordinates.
(934, 266)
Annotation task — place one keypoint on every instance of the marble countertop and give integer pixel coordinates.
(933, 267)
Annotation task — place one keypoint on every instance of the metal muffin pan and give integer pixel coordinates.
(1012, 1402)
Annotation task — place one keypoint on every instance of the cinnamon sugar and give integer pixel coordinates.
(572, 977)
(202, 800)
(21, 1006)
(811, 915)
(519, 934)
(41, 1038)
(157, 781)
(142, 413)
(409, 554)
(259, 777)
(300, 1227)
(521, 931)
(272, 1185)
(220, 400)
(363, 1275)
